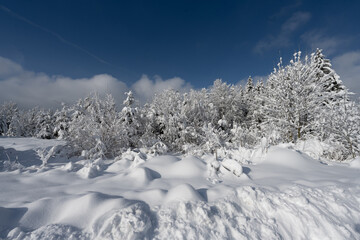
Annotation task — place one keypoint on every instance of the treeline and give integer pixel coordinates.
(303, 100)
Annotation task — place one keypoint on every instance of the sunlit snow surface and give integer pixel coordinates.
(280, 193)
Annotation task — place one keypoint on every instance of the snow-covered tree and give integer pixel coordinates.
(249, 85)
(221, 99)
(44, 124)
(293, 100)
(8, 111)
(62, 119)
(28, 122)
(130, 123)
(343, 130)
(193, 115)
(333, 89)
(163, 116)
(93, 129)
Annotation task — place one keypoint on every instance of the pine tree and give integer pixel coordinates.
(130, 123)
(44, 124)
(249, 85)
(62, 119)
(332, 87)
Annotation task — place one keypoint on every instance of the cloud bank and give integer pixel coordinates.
(330, 44)
(30, 89)
(146, 88)
(348, 67)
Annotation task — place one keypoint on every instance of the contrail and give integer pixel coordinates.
(58, 36)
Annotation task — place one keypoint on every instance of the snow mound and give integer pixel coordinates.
(312, 147)
(143, 175)
(52, 231)
(91, 169)
(136, 157)
(79, 211)
(289, 158)
(183, 192)
(133, 222)
(355, 163)
(188, 167)
(119, 165)
(232, 166)
(220, 220)
(259, 213)
(307, 213)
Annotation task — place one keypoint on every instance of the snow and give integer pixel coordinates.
(232, 166)
(283, 192)
(355, 163)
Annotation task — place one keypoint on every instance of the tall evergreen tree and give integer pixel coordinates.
(130, 124)
(333, 88)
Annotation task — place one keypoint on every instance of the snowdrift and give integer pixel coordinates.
(282, 194)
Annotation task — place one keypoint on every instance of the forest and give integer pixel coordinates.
(301, 100)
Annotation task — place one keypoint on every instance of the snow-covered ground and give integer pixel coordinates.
(279, 193)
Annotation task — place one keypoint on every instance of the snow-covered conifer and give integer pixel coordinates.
(333, 88)
(130, 123)
(62, 119)
(44, 124)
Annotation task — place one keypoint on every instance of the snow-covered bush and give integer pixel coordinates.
(93, 130)
(8, 110)
(343, 131)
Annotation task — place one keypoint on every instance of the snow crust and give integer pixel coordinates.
(284, 192)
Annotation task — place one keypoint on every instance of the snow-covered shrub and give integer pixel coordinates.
(164, 122)
(343, 130)
(10, 166)
(94, 128)
(7, 111)
(92, 168)
(158, 148)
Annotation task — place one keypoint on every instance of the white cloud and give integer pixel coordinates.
(287, 8)
(295, 21)
(146, 88)
(8, 68)
(283, 38)
(348, 67)
(30, 89)
(316, 39)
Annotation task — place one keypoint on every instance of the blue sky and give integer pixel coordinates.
(178, 43)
